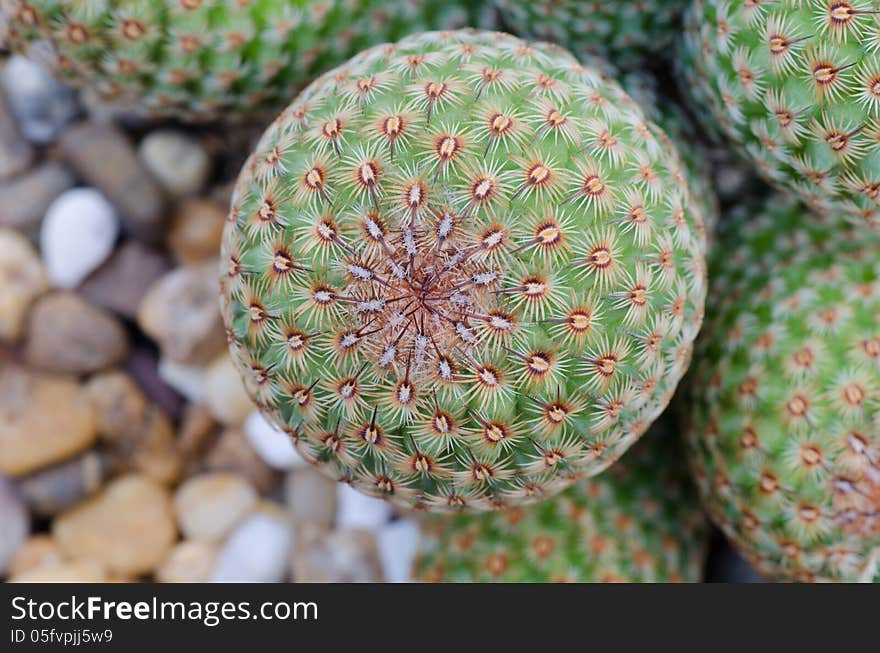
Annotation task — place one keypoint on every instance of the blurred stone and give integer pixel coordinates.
(121, 283)
(273, 444)
(225, 395)
(25, 199)
(190, 561)
(196, 231)
(103, 157)
(83, 571)
(37, 551)
(143, 365)
(22, 280)
(398, 543)
(187, 380)
(43, 420)
(195, 435)
(16, 154)
(179, 163)
(209, 506)
(232, 453)
(118, 404)
(256, 552)
(342, 556)
(57, 488)
(128, 528)
(181, 313)
(67, 334)
(357, 510)
(77, 235)
(15, 521)
(311, 497)
(42, 106)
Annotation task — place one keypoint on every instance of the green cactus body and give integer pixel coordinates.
(795, 85)
(638, 522)
(783, 401)
(204, 59)
(461, 271)
(625, 31)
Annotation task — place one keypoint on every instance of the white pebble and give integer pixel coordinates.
(273, 444)
(77, 235)
(42, 105)
(357, 510)
(398, 544)
(187, 380)
(179, 163)
(256, 552)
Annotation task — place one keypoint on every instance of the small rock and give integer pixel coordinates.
(311, 497)
(82, 571)
(398, 544)
(37, 551)
(190, 561)
(15, 520)
(121, 283)
(273, 444)
(187, 380)
(16, 154)
(181, 313)
(209, 506)
(128, 528)
(196, 231)
(22, 280)
(233, 453)
(118, 404)
(143, 365)
(41, 186)
(357, 510)
(225, 395)
(43, 420)
(42, 106)
(196, 432)
(179, 163)
(104, 158)
(77, 235)
(256, 552)
(67, 334)
(343, 556)
(54, 489)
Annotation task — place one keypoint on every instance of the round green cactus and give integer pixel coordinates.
(638, 522)
(462, 271)
(795, 85)
(783, 404)
(205, 59)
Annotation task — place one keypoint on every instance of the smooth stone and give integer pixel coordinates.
(41, 186)
(342, 556)
(273, 444)
(121, 283)
(186, 380)
(225, 395)
(43, 420)
(196, 231)
(398, 544)
(181, 313)
(54, 489)
(77, 235)
(232, 453)
(177, 161)
(143, 365)
(128, 528)
(257, 551)
(37, 551)
(16, 523)
(67, 334)
(196, 433)
(357, 510)
(311, 497)
(42, 106)
(118, 404)
(22, 280)
(209, 506)
(81, 571)
(190, 561)
(104, 158)
(16, 154)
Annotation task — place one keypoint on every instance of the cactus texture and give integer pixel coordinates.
(783, 407)
(638, 522)
(795, 84)
(206, 59)
(462, 271)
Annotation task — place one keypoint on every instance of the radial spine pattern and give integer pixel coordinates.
(462, 271)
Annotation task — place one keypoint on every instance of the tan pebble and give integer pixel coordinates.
(190, 561)
(210, 505)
